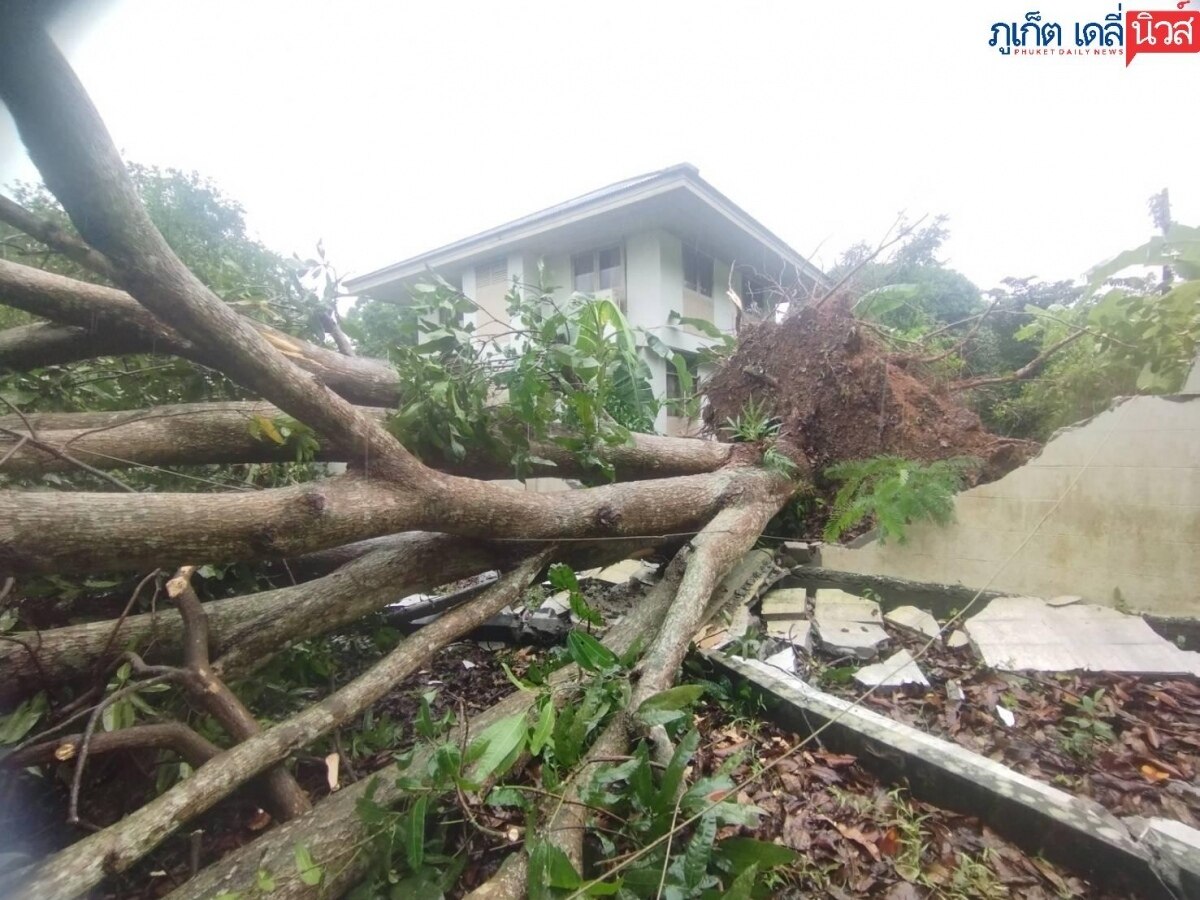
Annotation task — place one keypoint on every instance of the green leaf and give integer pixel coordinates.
(498, 746)
(588, 653)
(21, 720)
(263, 881)
(742, 884)
(673, 775)
(743, 852)
(415, 846)
(679, 697)
(310, 873)
(550, 868)
(544, 728)
(699, 851)
(266, 428)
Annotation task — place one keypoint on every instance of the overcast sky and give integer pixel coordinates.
(388, 128)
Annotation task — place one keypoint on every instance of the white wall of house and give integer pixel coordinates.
(654, 288)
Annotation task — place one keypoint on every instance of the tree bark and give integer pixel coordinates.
(333, 831)
(44, 344)
(84, 864)
(174, 736)
(122, 325)
(245, 630)
(88, 532)
(218, 433)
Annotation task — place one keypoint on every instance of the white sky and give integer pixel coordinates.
(388, 128)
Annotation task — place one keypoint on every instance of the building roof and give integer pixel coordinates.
(673, 182)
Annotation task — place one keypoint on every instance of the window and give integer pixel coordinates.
(674, 388)
(697, 271)
(758, 295)
(493, 272)
(583, 268)
(598, 270)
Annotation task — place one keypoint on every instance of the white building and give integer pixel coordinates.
(662, 242)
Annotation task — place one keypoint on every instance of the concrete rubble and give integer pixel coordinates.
(621, 572)
(797, 632)
(785, 604)
(785, 659)
(897, 670)
(848, 625)
(1027, 633)
(914, 619)
(957, 639)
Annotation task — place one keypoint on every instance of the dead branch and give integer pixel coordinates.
(55, 238)
(116, 323)
(1026, 371)
(174, 736)
(83, 865)
(206, 690)
(333, 829)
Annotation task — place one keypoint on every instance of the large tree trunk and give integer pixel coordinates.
(715, 494)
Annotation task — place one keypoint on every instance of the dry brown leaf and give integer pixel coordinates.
(1153, 773)
(853, 834)
(65, 751)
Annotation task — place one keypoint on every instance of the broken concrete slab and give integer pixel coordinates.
(556, 605)
(957, 639)
(785, 659)
(851, 638)
(914, 620)
(1176, 847)
(834, 604)
(796, 553)
(1065, 600)
(1038, 817)
(785, 603)
(625, 570)
(896, 671)
(1026, 633)
(797, 632)
(848, 625)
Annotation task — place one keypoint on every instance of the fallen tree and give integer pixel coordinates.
(413, 510)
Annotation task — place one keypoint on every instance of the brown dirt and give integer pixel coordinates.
(841, 396)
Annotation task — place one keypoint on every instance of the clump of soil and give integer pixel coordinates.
(841, 395)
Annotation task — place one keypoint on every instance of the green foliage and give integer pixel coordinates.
(569, 373)
(1086, 731)
(18, 723)
(562, 578)
(752, 424)
(912, 292)
(895, 492)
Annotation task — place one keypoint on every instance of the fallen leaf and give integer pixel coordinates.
(1154, 774)
(261, 820)
(889, 844)
(65, 751)
(853, 834)
(332, 761)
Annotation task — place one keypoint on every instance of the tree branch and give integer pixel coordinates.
(119, 324)
(218, 433)
(1028, 370)
(72, 149)
(73, 532)
(83, 865)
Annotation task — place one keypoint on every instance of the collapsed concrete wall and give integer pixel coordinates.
(1125, 530)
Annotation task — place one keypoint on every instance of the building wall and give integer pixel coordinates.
(1110, 509)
